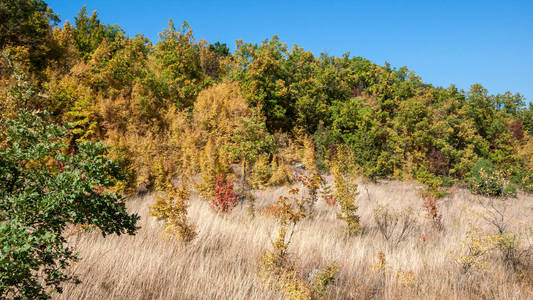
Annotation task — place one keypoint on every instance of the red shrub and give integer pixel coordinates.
(432, 209)
(224, 199)
(330, 200)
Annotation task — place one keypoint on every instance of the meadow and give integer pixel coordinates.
(222, 262)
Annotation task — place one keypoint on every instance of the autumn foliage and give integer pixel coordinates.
(224, 199)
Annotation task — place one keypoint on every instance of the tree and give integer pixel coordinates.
(178, 58)
(90, 33)
(26, 23)
(263, 76)
(220, 49)
(250, 139)
(45, 187)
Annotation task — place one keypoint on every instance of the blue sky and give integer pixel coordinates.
(444, 42)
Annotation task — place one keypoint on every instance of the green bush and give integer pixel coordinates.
(45, 185)
(486, 180)
(522, 178)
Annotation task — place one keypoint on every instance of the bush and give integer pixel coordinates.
(312, 182)
(486, 180)
(262, 172)
(394, 226)
(328, 195)
(171, 207)
(212, 166)
(278, 270)
(479, 248)
(276, 267)
(280, 173)
(432, 209)
(346, 193)
(45, 187)
(323, 279)
(224, 199)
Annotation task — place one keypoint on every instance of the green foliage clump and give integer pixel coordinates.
(25, 29)
(90, 32)
(487, 180)
(249, 140)
(44, 187)
(323, 279)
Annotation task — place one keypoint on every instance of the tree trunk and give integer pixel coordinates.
(243, 174)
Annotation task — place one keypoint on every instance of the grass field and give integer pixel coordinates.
(222, 262)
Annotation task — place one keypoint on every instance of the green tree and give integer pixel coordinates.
(90, 32)
(263, 76)
(44, 187)
(220, 49)
(178, 59)
(250, 140)
(26, 23)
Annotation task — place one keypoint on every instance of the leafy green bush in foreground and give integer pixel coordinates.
(44, 187)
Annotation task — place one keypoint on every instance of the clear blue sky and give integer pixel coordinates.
(444, 42)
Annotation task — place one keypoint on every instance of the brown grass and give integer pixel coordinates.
(222, 262)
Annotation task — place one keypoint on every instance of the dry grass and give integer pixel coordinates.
(222, 262)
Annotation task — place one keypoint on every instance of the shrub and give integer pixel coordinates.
(280, 173)
(513, 250)
(478, 248)
(277, 269)
(394, 226)
(171, 207)
(44, 188)
(212, 166)
(323, 279)
(262, 172)
(432, 181)
(432, 210)
(486, 180)
(474, 251)
(312, 182)
(346, 193)
(224, 199)
(328, 195)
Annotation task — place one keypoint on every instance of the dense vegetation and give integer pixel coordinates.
(183, 107)
(167, 101)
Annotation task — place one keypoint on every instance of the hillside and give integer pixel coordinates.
(263, 172)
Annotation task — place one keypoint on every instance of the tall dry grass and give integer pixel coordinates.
(222, 262)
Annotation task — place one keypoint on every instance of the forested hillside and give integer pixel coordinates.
(160, 103)
(182, 109)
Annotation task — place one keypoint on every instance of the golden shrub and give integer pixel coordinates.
(171, 207)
